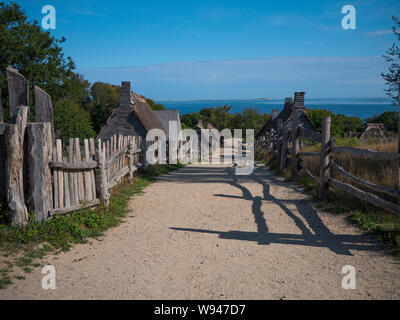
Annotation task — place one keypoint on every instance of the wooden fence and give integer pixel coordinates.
(36, 173)
(78, 174)
(284, 143)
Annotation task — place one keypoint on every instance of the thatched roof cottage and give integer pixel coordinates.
(133, 116)
(284, 115)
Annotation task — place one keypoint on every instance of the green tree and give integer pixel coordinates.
(155, 106)
(388, 118)
(317, 116)
(39, 57)
(105, 98)
(71, 121)
(392, 78)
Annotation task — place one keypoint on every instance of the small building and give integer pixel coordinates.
(284, 115)
(377, 132)
(165, 116)
(132, 117)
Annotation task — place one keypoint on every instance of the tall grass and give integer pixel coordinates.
(384, 224)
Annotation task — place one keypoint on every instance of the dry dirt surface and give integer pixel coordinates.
(204, 233)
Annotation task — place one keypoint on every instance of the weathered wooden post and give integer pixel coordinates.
(18, 90)
(14, 139)
(284, 148)
(325, 151)
(44, 107)
(101, 175)
(131, 157)
(279, 138)
(294, 152)
(144, 151)
(40, 150)
(271, 140)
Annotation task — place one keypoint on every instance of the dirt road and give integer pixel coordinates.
(204, 233)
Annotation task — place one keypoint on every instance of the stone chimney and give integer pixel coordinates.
(200, 124)
(274, 113)
(125, 97)
(209, 126)
(299, 100)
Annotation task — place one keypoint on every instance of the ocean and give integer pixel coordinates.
(359, 107)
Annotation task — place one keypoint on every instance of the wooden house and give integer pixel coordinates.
(132, 117)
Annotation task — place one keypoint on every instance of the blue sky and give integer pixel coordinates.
(227, 49)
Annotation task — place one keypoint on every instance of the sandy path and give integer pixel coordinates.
(203, 233)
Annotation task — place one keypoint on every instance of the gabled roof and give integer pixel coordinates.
(133, 116)
(165, 116)
(304, 120)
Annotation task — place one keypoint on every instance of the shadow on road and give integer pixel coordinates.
(316, 234)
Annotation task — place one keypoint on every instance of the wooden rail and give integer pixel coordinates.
(285, 141)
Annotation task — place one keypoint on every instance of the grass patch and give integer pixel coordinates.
(25, 245)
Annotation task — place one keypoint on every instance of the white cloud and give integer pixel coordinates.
(378, 33)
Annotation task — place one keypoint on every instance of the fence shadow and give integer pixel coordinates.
(314, 234)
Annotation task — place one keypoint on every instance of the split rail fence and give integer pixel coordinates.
(284, 143)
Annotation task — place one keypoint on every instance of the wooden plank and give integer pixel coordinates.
(62, 211)
(295, 143)
(365, 196)
(310, 154)
(367, 153)
(78, 159)
(44, 107)
(14, 138)
(115, 180)
(82, 166)
(60, 174)
(387, 190)
(325, 153)
(40, 150)
(72, 177)
(55, 183)
(92, 172)
(66, 187)
(18, 91)
(116, 157)
(86, 174)
(101, 178)
(283, 159)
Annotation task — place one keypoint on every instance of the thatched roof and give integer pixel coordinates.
(133, 116)
(284, 115)
(165, 116)
(376, 131)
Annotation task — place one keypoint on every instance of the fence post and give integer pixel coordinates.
(101, 175)
(284, 148)
(131, 156)
(14, 139)
(325, 151)
(40, 151)
(279, 138)
(295, 143)
(144, 151)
